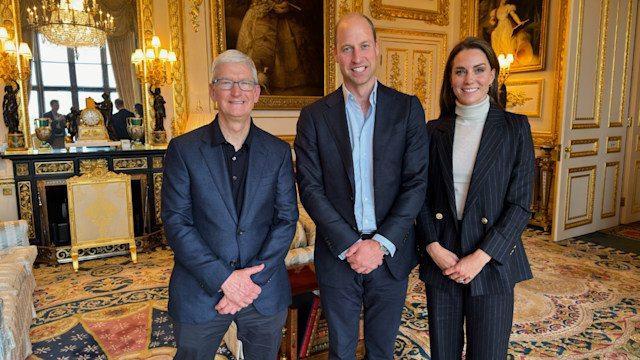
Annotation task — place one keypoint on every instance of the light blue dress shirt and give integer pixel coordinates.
(361, 128)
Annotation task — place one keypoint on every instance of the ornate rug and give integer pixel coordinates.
(583, 303)
(629, 231)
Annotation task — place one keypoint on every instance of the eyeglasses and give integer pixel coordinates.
(226, 84)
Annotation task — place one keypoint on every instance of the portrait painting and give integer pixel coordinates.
(287, 41)
(517, 27)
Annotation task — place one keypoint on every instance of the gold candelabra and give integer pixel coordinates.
(14, 63)
(155, 66)
(505, 62)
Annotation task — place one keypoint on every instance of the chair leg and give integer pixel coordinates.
(134, 254)
(74, 259)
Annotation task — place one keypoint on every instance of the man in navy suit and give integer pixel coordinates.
(361, 155)
(120, 120)
(229, 211)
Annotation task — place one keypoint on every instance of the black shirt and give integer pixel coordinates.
(237, 163)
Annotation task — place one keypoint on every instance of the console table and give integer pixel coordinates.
(40, 180)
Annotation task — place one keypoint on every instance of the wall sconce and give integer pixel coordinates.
(155, 67)
(505, 62)
(14, 66)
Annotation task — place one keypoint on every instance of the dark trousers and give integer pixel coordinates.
(381, 297)
(488, 322)
(260, 335)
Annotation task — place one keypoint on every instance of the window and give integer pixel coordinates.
(69, 76)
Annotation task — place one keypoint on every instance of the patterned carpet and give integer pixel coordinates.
(584, 303)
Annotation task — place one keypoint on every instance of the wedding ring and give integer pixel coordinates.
(460, 281)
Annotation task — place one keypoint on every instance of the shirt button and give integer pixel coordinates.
(366, 199)
(233, 158)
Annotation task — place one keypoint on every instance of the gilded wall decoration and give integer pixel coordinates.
(145, 34)
(287, 82)
(22, 169)
(194, 13)
(26, 206)
(420, 86)
(54, 167)
(88, 165)
(432, 12)
(180, 97)
(580, 177)
(348, 6)
(129, 163)
(157, 187)
(156, 162)
(395, 75)
(525, 97)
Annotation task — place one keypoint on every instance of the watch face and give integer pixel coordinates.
(90, 117)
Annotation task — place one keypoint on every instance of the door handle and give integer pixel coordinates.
(567, 151)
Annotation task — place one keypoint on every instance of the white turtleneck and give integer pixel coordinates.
(466, 141)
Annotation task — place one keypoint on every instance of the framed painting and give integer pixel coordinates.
(517, 27)
(289, 41)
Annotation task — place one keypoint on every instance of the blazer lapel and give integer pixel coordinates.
(445, 151)
(214, 159)
(257, 161)
(336, 119)
(492, 137)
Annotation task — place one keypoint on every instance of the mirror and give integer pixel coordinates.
(92, 70)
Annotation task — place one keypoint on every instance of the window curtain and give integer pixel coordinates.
(121, 45)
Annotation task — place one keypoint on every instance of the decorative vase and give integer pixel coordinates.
(135, 129)
(43, 132)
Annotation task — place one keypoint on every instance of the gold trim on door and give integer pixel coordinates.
(587, 216)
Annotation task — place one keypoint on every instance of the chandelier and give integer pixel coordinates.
(71, 23)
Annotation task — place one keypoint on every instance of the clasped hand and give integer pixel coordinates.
(239, 290)
(459, 270)
(365, 256)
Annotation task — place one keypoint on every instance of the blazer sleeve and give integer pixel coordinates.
(336, 231)
(413, 185)
(500, 239)
(425, 228)
(276, 244)
(182, 235)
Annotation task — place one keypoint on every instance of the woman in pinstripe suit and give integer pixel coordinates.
(481, 171)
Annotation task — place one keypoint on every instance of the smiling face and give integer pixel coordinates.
(356, 52)
(471, 76)
(234, 104)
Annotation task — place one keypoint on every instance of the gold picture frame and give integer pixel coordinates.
(227, 17)
(530, 39)
(432, 12)
(525, 97)
(100, 211)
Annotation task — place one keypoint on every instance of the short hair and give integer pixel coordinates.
(373, 29)
(447, 96)
(233, 56)
(119, 102)
(53, 101)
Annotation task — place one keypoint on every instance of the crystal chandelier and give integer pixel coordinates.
(71, 23)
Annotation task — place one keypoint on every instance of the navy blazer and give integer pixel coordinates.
(208, 238)
(497, 206)
(325, 178)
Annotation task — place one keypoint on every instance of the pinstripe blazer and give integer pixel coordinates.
(497, 205)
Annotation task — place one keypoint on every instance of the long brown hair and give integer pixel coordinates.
(447, 97)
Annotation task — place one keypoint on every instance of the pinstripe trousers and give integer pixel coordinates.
(488, 323)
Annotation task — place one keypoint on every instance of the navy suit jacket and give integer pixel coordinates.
(325, 178)
(208, 238)
(120, 123)
(497, 205)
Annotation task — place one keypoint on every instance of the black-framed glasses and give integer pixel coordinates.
(244, 85)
